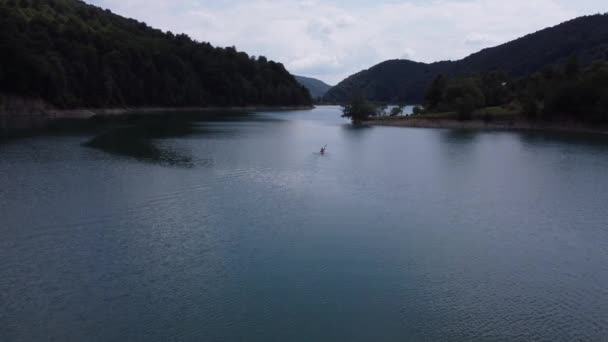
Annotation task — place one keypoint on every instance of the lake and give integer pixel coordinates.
(232, 227)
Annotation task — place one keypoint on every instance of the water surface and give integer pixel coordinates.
(234, 228)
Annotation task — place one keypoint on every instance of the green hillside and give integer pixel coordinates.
(72, 54)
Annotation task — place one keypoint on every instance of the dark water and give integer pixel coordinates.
(234, 229)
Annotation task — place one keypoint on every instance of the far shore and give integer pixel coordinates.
(476, 124)
(108, 112)
(38, 116)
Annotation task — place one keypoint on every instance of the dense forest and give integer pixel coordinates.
(557, 92)
(72, 54)
(406, 81)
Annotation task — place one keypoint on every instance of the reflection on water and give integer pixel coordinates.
(123, 142)
(143, 138)
(592, 140)
(458, 136)
(137, 141)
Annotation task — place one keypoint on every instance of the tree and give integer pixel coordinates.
(417, 110)
(572, 67)
(358, 109)
(396, 111)
(435, 93)
(529, 107)
(565, 91)
(495, 87)
(381, 110)
(464, 96)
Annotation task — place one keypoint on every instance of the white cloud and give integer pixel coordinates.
(333, 39)
(477, 40)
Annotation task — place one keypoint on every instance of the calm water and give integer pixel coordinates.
(233, 229)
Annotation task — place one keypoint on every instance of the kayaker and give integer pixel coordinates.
(323, 149)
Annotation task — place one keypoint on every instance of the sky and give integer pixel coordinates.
(333, 39)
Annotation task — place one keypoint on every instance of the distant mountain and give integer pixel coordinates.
(406, 81)
(316, 87)
(72, 54)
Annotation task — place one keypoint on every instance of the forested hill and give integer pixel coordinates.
(72, 54)
(316, 87)
(406, 81)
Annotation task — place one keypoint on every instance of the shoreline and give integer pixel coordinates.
(88, 113)
(38, 117)
(507, 125)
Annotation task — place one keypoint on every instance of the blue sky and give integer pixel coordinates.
(332, 39)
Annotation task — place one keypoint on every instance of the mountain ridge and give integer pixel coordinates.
(316, 87)
(406, 81)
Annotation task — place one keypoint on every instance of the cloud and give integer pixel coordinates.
(333, 39)
(478, 40)
(408, 54)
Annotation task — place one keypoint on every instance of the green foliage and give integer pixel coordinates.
(529, 107)
(572, 67)
(417, 110)
(73, 54)
(464, 96)
(434, 95)
(358, 109)
(558, 92)
(381, 109)
(496, 87)
(397, 111)
(578, 94)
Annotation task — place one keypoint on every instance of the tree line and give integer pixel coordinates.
(565, 91)
(556, 92)
(72, 54)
